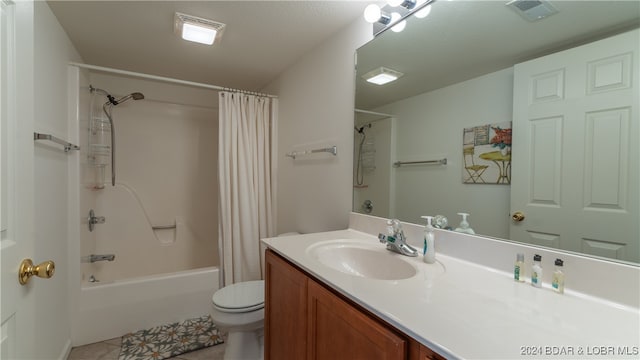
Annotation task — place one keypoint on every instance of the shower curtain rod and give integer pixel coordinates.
(372, 113)
(167, 79)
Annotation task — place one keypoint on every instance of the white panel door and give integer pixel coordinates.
(16, 181)
(576, 157)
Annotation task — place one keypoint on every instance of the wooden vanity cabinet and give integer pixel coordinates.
(285, 310)
(306, 320)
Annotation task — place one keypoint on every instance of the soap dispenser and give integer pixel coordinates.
(464, 225)
(429, 250)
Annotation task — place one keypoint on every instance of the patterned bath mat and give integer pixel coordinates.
(162, 342)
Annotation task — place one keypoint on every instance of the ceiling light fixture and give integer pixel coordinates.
(196, 29)
(382, 75)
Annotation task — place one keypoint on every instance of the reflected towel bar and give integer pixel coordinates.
(67, 145)
(332, 150)
(163, 227)
(439, 162)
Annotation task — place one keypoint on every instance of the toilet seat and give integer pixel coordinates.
(240, 297)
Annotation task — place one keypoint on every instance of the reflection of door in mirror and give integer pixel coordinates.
(372, 165)
(579, 108)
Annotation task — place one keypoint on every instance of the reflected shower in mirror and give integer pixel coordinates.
(565, 87)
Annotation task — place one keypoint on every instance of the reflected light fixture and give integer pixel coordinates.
(393, 13)
(400, 25)
(197, 29)
(373, 14)
(382, 75)
(407, 4)
(424, 12)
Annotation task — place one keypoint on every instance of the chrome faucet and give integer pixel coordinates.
(395, 239)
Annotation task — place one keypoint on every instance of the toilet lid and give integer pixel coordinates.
(240, 297)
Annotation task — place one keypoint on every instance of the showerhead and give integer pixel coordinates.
(134, 96)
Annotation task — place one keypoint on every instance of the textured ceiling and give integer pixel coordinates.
(261, 39)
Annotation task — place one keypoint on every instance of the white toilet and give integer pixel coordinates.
(239, 310)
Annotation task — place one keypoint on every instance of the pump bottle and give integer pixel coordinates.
(464, 225)
(429, 250)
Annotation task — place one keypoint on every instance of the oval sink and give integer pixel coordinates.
(363, 260)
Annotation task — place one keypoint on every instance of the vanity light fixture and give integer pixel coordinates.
(373, 14)
(424, 11)
(382, 75)
(399, 26)
(196, 29)
(393, 13)
(407, 4)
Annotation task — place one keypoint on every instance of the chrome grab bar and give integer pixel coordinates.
(67, 145)
(440, 162)
(163, 227)
(93, 258)
(332, 150)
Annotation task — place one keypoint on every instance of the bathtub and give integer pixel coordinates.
(108, 310)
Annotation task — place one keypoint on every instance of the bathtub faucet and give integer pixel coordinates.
(93, 258)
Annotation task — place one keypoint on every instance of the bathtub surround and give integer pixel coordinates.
(158, 276)
(164, 202)
(247, 177)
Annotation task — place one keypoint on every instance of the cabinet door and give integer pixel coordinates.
(418, 351)
(339, 331)
(285, 310)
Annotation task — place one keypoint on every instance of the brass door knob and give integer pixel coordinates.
(517, 216)
(44, 270)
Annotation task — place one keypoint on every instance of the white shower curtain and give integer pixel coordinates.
(246, 174)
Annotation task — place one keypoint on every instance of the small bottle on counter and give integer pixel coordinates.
(536, 271)
(558, 278)
(518, 269)
(429, 250)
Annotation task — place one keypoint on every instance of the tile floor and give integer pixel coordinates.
(110, 349)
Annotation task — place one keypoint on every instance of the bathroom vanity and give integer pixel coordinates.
(341, 294)
(305, 319)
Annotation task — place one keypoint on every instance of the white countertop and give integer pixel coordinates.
(472, 311)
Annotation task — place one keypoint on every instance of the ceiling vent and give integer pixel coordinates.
(532, 10)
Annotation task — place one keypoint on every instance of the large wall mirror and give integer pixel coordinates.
(564, 89)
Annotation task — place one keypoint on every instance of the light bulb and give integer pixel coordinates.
(394, 3)
(424, 12)
(372, 13)
(399, 26)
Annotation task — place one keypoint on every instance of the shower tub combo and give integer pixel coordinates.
(148, 242)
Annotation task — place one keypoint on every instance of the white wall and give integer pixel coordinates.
(166, 161)
(316, 109)
(430, 126)
(52, 52)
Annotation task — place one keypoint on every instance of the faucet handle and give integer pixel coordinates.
(394, 225)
